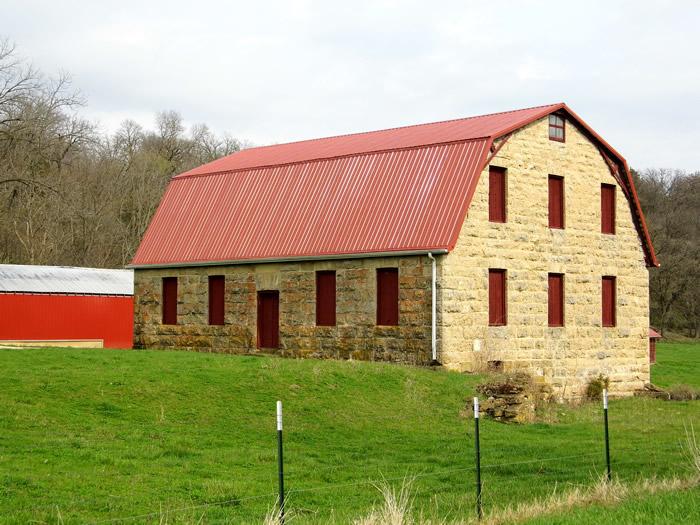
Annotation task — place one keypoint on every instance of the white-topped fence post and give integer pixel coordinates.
(607, 434)
(280, 461)
(479, 508)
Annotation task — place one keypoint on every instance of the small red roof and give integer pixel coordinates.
(653, 334)
(396, 190)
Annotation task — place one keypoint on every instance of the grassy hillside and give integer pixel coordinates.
(92, 435)
(678, 363)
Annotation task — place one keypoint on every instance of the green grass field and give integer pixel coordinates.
(101, 436)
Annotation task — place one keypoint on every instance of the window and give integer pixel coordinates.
(556, 202)
(607, 208)
(556, 299)
(269, 319)
(556, 128)
(497, 194)
(388, 296)
(497, 297)
(169, 304)
(609, 300)
(325, 298)
(217, 285)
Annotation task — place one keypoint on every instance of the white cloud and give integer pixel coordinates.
(277, 71)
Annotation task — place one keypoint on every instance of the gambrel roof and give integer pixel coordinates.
(394, 191)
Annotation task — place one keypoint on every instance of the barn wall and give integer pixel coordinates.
(356, 334)
(52, 317)
(528, 249)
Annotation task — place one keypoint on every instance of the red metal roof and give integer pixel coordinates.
(653, 334)
(388, 139)
(397, 190)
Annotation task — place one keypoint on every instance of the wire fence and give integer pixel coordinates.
(498, 478)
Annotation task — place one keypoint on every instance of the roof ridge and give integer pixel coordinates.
(187, 175)
(358, 133)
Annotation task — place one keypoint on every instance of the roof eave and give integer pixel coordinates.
(300, 258)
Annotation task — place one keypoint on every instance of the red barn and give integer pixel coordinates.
(62, 306)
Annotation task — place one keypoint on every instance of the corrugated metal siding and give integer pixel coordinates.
(387, 201)
(65, 279)
(59, 317)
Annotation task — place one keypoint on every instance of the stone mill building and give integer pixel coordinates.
(505, 241)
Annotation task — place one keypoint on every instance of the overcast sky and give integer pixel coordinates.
(271, 72)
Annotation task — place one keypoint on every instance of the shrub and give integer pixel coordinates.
(594, 390)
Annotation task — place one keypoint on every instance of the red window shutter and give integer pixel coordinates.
(497, 297)
(607, 208)
(556, 299)
(556, 202)
(388, 296)
(497, 194)
(169, 303)
(325, 298)
(269, 319)
(609, 301)
(217, 286)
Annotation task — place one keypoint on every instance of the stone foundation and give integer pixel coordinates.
(356, 335)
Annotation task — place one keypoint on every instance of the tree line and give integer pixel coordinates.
(71, 195)
(671, 204)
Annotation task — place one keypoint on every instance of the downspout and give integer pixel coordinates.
(434, 312)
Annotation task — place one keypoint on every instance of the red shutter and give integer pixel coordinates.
(609, 301)
(388, 296)
(607, 208)
(268, 319)
(497, 194)
(556, 202)
(325, 298)
(497, 297)
(169, 304)
(556, 299)
(217, 285)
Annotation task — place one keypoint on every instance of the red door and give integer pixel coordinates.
(269, 319)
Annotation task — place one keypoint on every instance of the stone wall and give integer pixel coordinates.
(528, 249)
(355, 336)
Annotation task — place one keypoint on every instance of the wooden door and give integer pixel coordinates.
(269, 319)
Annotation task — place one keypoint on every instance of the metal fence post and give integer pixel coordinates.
(607, 435)
(479, 508)
(280, 462)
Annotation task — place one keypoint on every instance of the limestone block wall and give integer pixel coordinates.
(355, 336)
(528, 249)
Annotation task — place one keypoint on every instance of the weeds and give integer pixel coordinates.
(693, 450)
(594, 390)
(395, 508)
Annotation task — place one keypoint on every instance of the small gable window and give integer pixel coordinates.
(556, 128)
